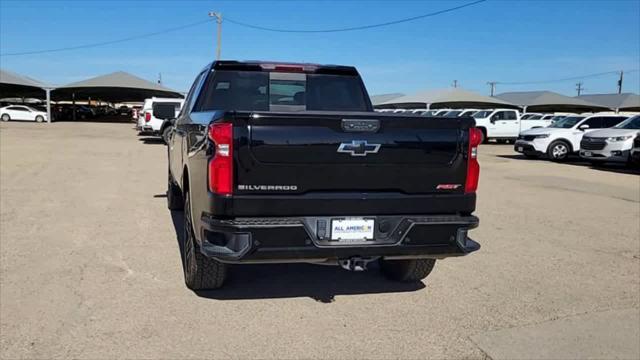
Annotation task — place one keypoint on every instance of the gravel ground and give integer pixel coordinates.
(90, 262)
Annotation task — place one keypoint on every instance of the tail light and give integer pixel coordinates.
(221, 165)
(473, 167)
(147, 116)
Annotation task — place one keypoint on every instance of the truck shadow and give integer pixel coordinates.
(151, 140)
(272, 281)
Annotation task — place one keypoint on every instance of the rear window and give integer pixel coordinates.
(274, 91)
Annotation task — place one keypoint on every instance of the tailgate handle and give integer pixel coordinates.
(360, 125)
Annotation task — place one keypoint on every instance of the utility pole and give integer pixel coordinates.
(455, 83)
(620, 82)
(160, 78)
(218, 17)
(579, 87)
(493, 86)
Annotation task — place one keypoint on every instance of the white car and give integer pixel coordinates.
(135, 112)
(425, 112)
(23, 113)
(561, 139)
(504, 124)
(635, 151)
(459, 112)
(468, 112)
(530, 115)
(149, 124)
(611, 145)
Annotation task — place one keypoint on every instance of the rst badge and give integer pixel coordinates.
(448, 186)
(358, 148)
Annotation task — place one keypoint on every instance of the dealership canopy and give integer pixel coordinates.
(379, 99)
(621, 102)
(13, 85)
(115, 87)
(446, 98)
(548, 101)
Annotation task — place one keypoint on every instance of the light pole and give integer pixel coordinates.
(218, 17)
(493, 86)
(48, 93)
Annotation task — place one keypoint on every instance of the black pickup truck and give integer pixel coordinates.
(276, 163)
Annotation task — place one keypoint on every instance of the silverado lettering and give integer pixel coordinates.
(268, 187)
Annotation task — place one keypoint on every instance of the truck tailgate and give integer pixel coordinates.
(307, 152)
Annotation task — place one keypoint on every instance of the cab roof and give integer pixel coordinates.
(255, 65)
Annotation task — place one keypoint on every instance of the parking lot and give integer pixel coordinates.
(91, 267)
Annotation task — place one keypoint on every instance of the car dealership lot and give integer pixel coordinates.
(91, 268)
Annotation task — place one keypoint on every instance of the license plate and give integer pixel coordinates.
(520, 148)
(351, 229)
(587, 153)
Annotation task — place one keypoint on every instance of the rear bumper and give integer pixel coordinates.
(295, 239)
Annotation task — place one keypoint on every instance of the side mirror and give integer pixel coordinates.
(164, 111)
(583, 127)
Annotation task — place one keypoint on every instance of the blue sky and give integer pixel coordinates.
(508, 41)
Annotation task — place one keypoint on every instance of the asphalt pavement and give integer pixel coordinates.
(90, 267)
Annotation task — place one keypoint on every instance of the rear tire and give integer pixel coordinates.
(559, 150)
(6, 117)
(411, 270)
(200, 272)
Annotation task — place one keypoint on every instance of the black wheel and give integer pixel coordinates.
(39, 118)
(559, 150)
(165, 134)
(411, 270)
(200, 272)
(175, 200)
(6, 117)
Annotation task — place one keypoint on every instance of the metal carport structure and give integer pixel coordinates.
(548, 101)
(15, 85)
(444, 98)
(114, 87)
(617, 102)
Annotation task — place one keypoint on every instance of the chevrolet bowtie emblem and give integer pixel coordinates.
(358, 148)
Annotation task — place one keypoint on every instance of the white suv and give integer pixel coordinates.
(611, 145)
(562, 138)
(148, 124)
(504, 124)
